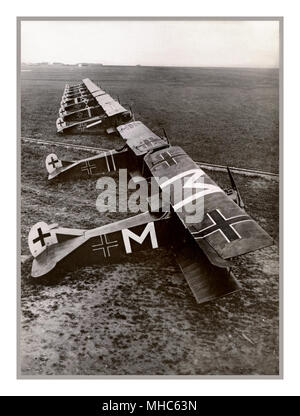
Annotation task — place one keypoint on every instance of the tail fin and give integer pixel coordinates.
(60, 125)
(53, 163)
(48, 244)
(61, 112)
(40, 237)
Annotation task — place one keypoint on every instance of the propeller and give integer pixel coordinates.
(132, 113)
(235, 188)
(165, 136)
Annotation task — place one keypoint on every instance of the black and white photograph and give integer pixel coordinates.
(149, 204)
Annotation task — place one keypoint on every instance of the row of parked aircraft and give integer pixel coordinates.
(203, 249)
(87, 108)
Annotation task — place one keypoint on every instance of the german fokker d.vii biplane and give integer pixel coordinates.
(202, 249)
(87, 108)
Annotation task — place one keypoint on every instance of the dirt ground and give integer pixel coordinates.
(139, 317)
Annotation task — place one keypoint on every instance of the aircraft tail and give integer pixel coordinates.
(52, 163)
(60, 125)
(49, 244)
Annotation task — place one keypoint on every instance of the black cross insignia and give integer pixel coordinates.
(222, 225)
(53, 162)
(88, 167)
(104, 245)
(41, 237)
(167, 158)
(60, 122)
(147, 142)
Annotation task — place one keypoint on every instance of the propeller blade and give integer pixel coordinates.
(132, 113)
(234, 187)
(165, 135)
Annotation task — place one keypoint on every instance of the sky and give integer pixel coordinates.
(156, 43)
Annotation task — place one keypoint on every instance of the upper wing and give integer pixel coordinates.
(223, 230)
(92, 88)
(140, 139)
(109, 105)
(113, 108)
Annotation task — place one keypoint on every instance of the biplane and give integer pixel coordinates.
(203, 249)
(87, 108)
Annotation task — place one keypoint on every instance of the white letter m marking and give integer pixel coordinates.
(149, 229)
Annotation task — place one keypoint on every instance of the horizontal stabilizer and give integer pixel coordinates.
(206, 281)
(48, 259)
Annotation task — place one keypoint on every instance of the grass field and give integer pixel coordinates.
(227, 116)
(139, 317)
